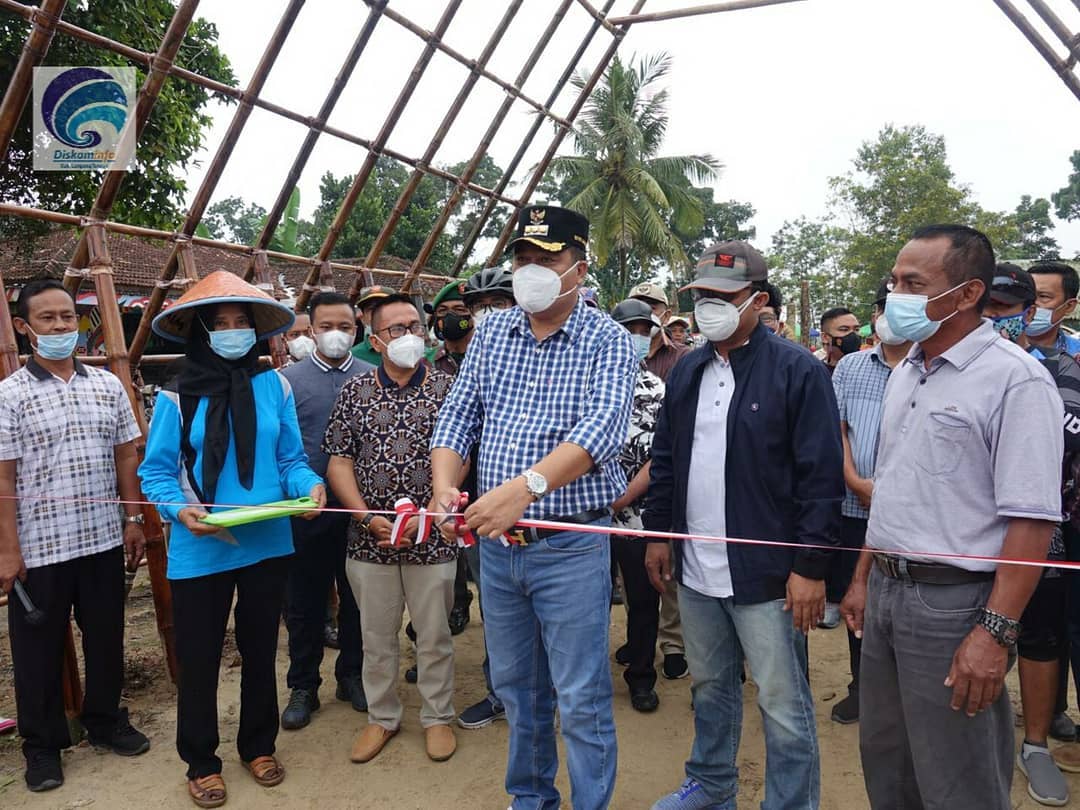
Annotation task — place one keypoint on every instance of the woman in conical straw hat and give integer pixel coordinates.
(227, 435)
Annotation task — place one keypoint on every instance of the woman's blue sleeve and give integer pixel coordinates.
(160, 469)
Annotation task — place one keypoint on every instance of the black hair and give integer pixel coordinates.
(776, 299)
(971, 256)
(396, 298)
(36, 288)
(1070, 280)
(835, 312)
(328, 299)
(578, 253)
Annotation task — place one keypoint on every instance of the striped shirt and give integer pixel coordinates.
(520, 398)
(859, 382)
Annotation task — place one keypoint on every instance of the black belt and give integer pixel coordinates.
(523, 535)
(929, 573)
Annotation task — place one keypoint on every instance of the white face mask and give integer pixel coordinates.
(481, 314)
(301, 347)
(406, 351)
(536, 288)
(334, 344)
(885, 333)
(716, 319)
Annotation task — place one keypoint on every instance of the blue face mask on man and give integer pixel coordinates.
(56, 347)
(232, 344)
(906, 314)
(1011, 325)
(641, 345)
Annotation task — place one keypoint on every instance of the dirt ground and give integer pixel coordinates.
(651, 747)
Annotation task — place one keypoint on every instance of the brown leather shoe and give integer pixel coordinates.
(440, 742)
(1067, 757)
(370, 742)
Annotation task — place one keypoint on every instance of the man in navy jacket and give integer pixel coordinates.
(747, 446)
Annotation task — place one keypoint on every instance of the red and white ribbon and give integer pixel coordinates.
(404, 511)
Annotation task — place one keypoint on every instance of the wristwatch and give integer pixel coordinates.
(365, 521)
(535, 483)
(137, 519)
(1004, 630)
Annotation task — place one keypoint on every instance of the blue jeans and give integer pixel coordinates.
(546, 624)
(718, 634)
(472, 558)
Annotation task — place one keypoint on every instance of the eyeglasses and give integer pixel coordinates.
(397, 330)
(442, 312)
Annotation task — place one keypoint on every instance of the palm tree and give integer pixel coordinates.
(637, 202)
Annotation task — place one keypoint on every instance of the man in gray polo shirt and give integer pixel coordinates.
(969, 463)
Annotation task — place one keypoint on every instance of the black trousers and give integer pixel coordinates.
(462, 594)
(200, 615)
(852, 536)
(643, 610)
(94, 586)
(320, 560)
(1071, 653)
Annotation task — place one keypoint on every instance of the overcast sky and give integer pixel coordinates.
(782, 96)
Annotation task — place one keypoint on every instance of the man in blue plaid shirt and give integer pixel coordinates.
(545, 391)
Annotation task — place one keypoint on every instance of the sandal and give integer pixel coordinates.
(207, 791)
(267, 771)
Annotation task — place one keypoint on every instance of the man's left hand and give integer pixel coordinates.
(134, 545)
(806, 601)
(977, 675)
(496, 512)
(317, 494)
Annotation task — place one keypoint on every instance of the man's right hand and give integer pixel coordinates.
(443, 501)
(191, 517)
(12, 567)
(658, 564)
(853, 607)
(383, 530)
(864, 491)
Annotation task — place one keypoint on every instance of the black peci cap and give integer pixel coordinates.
(551, 228)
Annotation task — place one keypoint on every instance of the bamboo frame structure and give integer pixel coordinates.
(1064, 68)
(43, 26)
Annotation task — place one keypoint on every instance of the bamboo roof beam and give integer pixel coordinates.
(694, 11)
(409, 189)
(1060, 66)
(216, 168)
(148, 94)
(43, 24)
(526, 142)
(553, 147)
(273, 217)
(596, 14)
(406, 92)
(1053, 22)
(485, 142)
(430, 38)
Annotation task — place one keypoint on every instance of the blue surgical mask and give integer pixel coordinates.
(1011, 325)
(641, 345)
(1042, 323)
(232, 344)
(56, 347)
(906, 314)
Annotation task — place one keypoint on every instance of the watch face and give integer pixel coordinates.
(1009, 635)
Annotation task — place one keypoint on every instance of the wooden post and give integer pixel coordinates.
(804, 313)
(9, 349)
(264, 282)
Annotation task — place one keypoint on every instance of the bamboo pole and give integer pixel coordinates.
(485, 142)
(353, 194)
(42, 26)
(148, 95)
(1041, 45)
(264, 282)
(413, 183)
(1054, 23)
(693, 11)
(316, 129)
(553, 147)
(213, 174)
(526, 142)
(9, 348)
(596, 14)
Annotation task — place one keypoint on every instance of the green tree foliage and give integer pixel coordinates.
(1033, 225)
(234, 220)
(153, 191)
(1067, 199)
(811, 251)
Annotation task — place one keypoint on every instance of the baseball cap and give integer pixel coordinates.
(369, 294)
(551, 228)
(728, 267)
(1012, 285)
(633, 309)
(649, 291)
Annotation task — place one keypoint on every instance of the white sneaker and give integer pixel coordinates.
(831, 618)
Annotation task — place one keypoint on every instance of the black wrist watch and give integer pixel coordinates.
(1004, 630)
(365, 521)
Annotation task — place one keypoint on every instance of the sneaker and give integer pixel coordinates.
(831, 618)
(1046, 784)
(43, 771)
(124, 739)
(846, 711)
(675, 666)
(689, 796)
(622, 655)
(481, 714)
(297, 714)
(351, 690)
(459, 618)
(1063, 728)
(330, 636)
(644, 699)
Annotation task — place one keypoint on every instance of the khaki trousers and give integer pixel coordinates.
(669, 636)
(383, 592)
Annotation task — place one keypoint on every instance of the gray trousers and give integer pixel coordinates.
(916, 751)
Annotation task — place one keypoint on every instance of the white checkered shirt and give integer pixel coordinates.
(62, 436)
(520, 399)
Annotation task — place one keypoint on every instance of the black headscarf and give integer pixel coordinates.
(227, 386)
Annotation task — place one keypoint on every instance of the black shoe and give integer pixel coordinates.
(43, 771)
(1063, 728)
(124, 739)
(675, 666)
(643, 700)
(459, 618)
(297, 714)
(846, 711)
(622, 655)
(351, 690)
(330, 637)
(411, 675)
(410, 632)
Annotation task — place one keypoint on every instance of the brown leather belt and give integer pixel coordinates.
(929, 573)
(524, 535)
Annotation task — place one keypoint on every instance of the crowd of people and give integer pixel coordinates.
(547, 449)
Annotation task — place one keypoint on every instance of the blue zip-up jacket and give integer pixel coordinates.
(784, 476)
